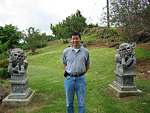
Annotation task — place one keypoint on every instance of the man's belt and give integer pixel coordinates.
(76, 75)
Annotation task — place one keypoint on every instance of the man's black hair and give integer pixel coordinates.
(76, 33)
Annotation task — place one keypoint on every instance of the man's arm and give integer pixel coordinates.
(87, 68)
(64, 66)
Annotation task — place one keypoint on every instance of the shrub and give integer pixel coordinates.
(3, 69)
(89, 40)
(3, 47)
(25, 47)
(92, 25)
(109, 32)
(43, 44)
(119, 38)
(4, 74)
(4, 55)
(4, 63)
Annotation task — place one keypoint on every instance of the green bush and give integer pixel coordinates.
(3, 69)
(89, 40)
(119, 38)
(25, 47)
(2, 82)
(3, 47)
(4, 55)
(92, 25)
(43, 44)
(109, 32)
(4, 74)
(4, 63)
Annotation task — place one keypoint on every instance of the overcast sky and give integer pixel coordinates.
(40, 13)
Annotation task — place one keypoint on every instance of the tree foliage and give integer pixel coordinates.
(133, 15)
(92, 25)
(9, 37)
(32, 38)
(75, 22)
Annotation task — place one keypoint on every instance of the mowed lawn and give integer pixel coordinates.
(46, 79)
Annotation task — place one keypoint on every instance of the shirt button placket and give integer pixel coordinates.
(76, 60)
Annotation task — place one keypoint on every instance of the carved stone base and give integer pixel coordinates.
(18, 102)
(20, 88)
(124, 82)
(124, 88)
(20, 95)
(121, 94)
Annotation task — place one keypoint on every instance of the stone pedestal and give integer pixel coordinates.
(20, 95)
(120, 94)
(124, 81)
(19, 84)
(124, 85)
(18, 102)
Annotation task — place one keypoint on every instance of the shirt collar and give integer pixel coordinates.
(79, 48)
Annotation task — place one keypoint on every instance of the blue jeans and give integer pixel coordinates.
(78, 85)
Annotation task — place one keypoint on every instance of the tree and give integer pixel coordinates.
(9, 37)
(92, 25)
(75, 22)
(32, 38)
(134, 15)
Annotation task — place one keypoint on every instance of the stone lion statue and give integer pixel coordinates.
(17, 62)
(125, 58)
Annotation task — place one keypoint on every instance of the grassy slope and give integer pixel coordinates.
(46, 78)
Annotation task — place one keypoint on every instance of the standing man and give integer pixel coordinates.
(76, 61)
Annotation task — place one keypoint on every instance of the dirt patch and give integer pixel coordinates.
(142, 68)
(100, 43)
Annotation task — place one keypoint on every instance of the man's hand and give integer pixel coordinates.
(64, 66)
(87, 68)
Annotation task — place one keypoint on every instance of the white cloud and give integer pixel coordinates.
(40, 13)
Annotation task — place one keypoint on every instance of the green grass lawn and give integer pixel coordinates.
(46, 78)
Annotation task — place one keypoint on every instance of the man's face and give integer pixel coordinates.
(75, 40)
